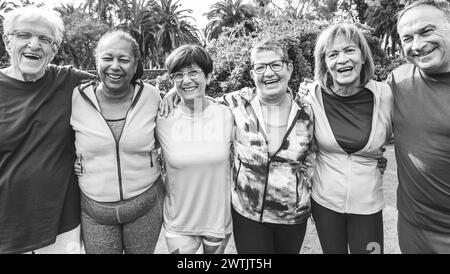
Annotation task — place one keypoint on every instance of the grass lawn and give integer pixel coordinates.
(311, 243)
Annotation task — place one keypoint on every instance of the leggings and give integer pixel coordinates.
(131, 226)
(253, 237)
(339, 232)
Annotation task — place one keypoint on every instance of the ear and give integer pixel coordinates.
(6, 42)
(55, 49)
(290, 68)
(253, 75)
(208, 78)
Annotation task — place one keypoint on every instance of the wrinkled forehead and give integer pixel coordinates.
(34, 23)
(421, 16)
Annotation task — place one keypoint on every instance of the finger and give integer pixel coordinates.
(169, 110)
(162, 108)
(176, 100)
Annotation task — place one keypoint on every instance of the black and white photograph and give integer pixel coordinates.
(225, 134)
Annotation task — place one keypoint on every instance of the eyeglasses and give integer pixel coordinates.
(179, 76)
(275, 66)
(26, 36)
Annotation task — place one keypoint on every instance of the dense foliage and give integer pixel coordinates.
(231, 53)
(160, 26)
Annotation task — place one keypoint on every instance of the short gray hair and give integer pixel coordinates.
(53, 17)
(351, 33)
(269, 45)
(441, 5)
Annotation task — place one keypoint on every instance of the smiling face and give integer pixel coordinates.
(271, 85)
(116, 64)
(194, 87)
(30, 57)
(344, 62)
(425, 36)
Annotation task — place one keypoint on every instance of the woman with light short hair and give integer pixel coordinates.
(352, 124)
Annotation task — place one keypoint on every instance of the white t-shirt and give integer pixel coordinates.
(196, 151)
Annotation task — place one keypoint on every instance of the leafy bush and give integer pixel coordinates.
(231, 56)
(231, 53)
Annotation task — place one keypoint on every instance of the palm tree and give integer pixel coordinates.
(174, 28)
(104, 9)
(158, 26)
(137, 17)
(6, 6)
(228, 13)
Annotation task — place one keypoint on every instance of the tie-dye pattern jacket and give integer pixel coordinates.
(270, 189)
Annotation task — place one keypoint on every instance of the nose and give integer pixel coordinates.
(269, 71)
(186, 78)
(34, 43)
(342, 58)
(417, 44)
(115, 64)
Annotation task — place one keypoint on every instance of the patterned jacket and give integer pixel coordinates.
(270, 189)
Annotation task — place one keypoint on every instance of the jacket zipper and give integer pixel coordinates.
(291, 127)
(348, 184)
(296, 189)
(119, 169)
(151, 159)
(237, 174)
(265, 187)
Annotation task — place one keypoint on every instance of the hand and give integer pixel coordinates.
(78, 167)
(303, 89)
(382, 164)
(306, 167)
(169, 103)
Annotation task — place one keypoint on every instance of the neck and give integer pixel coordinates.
(275, 101)
(197, 105)
(115, 96)
(13, 73)
(345, 91)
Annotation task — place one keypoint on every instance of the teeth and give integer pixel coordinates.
(345, 69)
(189, 89)
(425, 53)
(115, 77)
(34, 56)
(270, 82)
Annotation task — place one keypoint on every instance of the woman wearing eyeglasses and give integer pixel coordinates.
(195, 141)
(272, 141)
(270, 192)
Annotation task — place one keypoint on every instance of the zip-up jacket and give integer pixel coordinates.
(269, 189)
(350, 183)
(115, 171)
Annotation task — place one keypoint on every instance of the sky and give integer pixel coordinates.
(199, 7)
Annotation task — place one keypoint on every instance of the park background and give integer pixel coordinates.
(228, 29)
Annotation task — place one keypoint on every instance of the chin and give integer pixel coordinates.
(427, 67)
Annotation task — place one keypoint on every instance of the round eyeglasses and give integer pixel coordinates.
(27, 36)
(179, 76)
(275, 66)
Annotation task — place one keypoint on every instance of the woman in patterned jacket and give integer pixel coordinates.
(272, 142)
(270, 192)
